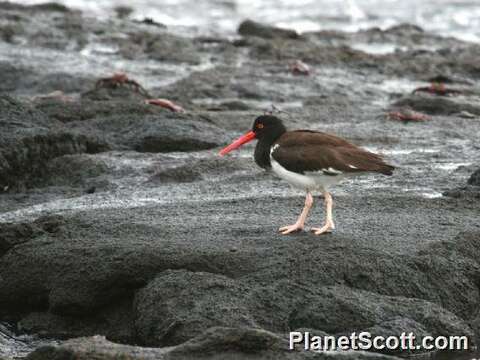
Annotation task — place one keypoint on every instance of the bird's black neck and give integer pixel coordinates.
(264, 144)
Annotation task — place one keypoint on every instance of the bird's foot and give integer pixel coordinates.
(290, 229)
(327, 228)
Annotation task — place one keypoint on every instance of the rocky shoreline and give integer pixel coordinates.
(122, 233)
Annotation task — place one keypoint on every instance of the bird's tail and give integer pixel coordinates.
(386, 169)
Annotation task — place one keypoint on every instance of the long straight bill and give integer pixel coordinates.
(239, 142)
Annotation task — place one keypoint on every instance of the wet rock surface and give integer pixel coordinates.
(216, 343)
(253, 28)
(119, 219)
(475, 178)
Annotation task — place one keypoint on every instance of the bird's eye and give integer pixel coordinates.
(260, 126)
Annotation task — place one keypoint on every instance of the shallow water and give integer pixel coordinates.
(459, 18)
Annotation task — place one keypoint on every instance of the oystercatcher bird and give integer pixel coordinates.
(308, 160)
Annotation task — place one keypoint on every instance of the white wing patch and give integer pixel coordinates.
(273, 148)
(331, 171)
(352, 167)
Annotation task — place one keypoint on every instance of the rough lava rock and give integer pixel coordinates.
(29, 139)
(178, 305)
(187, 241)
(471, 191)
(474, 178)
(175, 287)
(253, 28)
(436, 105)
(215, 343)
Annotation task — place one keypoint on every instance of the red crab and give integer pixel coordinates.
(407, 115)
(298, 67)
(437, 89)
(121, 79)
(165, 104)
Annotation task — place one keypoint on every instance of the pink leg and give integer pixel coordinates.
(301, 219)
(329, 225)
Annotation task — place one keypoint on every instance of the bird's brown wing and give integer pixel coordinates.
(327, 153)
(309, 137)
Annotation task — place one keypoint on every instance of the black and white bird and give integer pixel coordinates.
(308, 160)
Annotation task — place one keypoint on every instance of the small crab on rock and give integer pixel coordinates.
(407, 115)
(298, 67)
(121, 79)
(437, 88)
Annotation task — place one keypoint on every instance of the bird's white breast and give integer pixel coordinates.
(314, 180)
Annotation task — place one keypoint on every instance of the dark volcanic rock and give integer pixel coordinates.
(86, 110)
(48, 25)
(14, 234)
(13, 77)
(465, 192)
(178, 305)
(20, 79)
(213, 84)
(115, 321)
(470, 191)
(67, 83)
(122, 91)
(397, 326)
(325, 312)
(189, 242)
(29, 139)
(266, 281)
(127, 124)
(159, 45)
(177, 174)
(436, 105)
(475, 178)
(198, 170)
(215, 343)
(155, 133)
(73, 170)
(234, 105)
(252, 28)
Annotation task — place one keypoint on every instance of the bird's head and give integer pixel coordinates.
(264, 127)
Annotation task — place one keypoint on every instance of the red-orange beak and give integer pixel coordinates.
(239, 142)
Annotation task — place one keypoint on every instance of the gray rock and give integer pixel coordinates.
(116, 322)
(178, 305)
(14, 234)
(215, 343)
(29, 139)
(164, 132)
(121, 92)
(475, 178)
(274, 283)
(253, 28)
(397, 326)
(158, 44)
(178, 174)
(23, 79)
(14, 77)
(469, 192)
(399, 260)
(341, 310)
(436, 105)
(79, 170)
(87, 110)
(48, 25)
